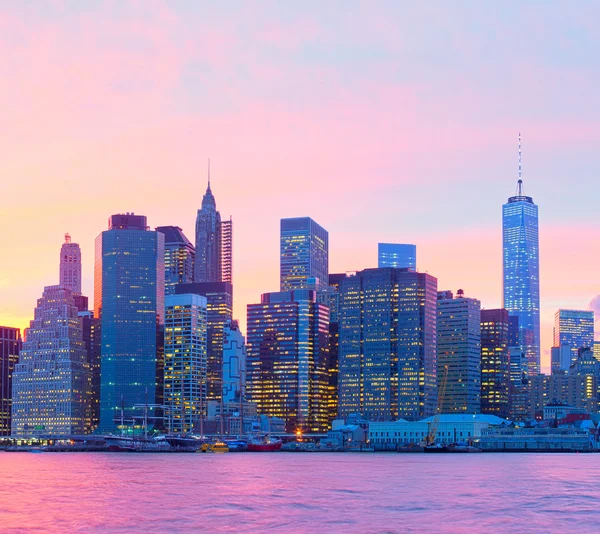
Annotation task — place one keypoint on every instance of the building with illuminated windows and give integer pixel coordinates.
(459, 350)
(10, 346)
(574, 329)
(387, 345)
(51, 380)
(219, 313)
(185, 361)
(287, 356)
(495, 363)
(397, 255)
(333, 295)
(227, 251)
(304, 254)
(521, 272)
(179, 258)
(91, 337)
(129, 301)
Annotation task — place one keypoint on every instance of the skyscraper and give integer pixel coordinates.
(575, 329)
(495, 363)
(397, 255)
(387, 344)
(459, 349)
(129, 300)
(334, 342)
(219, 306)
(179, 258)
(70, 266)
(10, 346)
(185, 361)
(51, 380)
(521, 270)
(91, 337)
(304, 253)
(287, 346)
(214, 241)
(234, 363)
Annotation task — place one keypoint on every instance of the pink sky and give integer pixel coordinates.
(382, 122)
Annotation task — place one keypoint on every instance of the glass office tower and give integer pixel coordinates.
(397, 255)
(387, 344)
(459, 349)
(287, 355)
(495, 363)
(521, 276)
(304, 253)
(179, 258)
(129, 301)
(574, 329)
(10, 345)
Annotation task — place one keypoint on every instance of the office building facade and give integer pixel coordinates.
(70, 266)
(51, 381)
(304, 253)
(399, 256)
(185, 346)
(387, 344)
(521, 273)
(459, 350)
(234, 363)
(129, 301)
(574, 329)
(219, 306)
(10, 346)
(180, 257)
(287, 355)
(495, 363)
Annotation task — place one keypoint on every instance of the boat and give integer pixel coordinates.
(217, 447)
(264, 444)
(435, 448)
(129, 444)
(182, 443)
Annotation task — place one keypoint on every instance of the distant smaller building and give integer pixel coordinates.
(399, 256)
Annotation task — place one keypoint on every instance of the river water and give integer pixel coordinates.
(296, 492)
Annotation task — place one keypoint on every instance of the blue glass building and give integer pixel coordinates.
(397, 255)
(387, 344)
(574, 329)
(129, 300)
(179, 258)
(521, 273)
(304, 254)
(287, 357)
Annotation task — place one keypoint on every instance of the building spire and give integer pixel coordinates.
(208, 188)
(520, 182)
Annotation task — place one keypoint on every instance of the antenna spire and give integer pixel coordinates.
(520, 182)
(209, 174)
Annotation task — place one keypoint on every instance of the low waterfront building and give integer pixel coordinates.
(536, 439)
(452, 428)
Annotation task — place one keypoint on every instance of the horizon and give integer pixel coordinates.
(390, 134)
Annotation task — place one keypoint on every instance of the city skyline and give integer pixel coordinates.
(390, 190)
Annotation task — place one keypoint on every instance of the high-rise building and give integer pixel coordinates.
(333, 295)
(399, 256)
(10, 346)
(234, 363)
(596, 350)
(214, 241)
(129, 301)
(304, 254)
(185, 361)
(459, 350)
(51, 380)
(521, 271)
(219, 306)
(575, 329)
(227, 251)
(91, 337)
(560, 359)
(495, 363)
(179, 258)
(387, 344)
(287, 353)
(70, 266)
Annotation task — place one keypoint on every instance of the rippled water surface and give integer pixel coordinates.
(295, 492)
